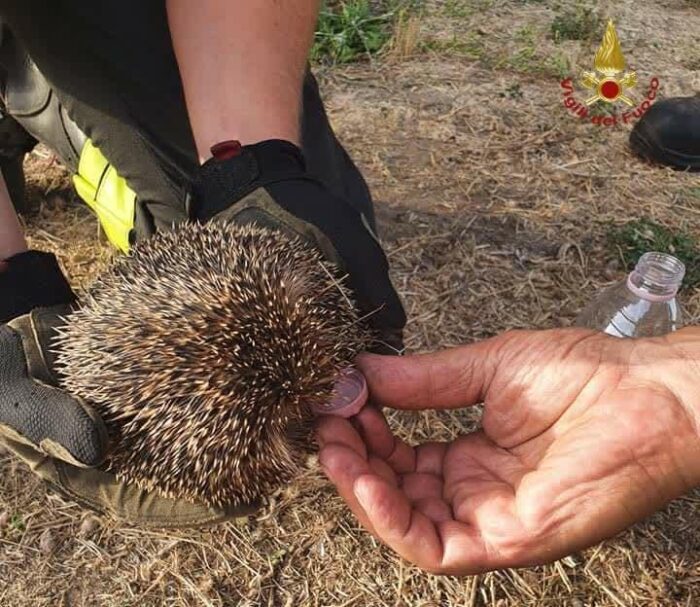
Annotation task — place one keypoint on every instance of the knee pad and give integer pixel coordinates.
(29, 99)
(34, 113)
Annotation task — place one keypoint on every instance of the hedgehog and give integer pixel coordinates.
(206, 351)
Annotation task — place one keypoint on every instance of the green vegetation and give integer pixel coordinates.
(637, 237)
(17, 523)
(457, 9)
(578, 22)
(350, 30)
(558, 65)
(602, 108)
(470, 46)
(528, 58)
(527, 61)
(523, 60)
(513, 91)
(463, 9)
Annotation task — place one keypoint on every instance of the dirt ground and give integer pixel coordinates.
(495, 204)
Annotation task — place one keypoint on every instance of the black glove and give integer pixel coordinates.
(33, 412)
(267, 184)
(31, 280)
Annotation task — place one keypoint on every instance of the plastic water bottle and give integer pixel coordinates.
(642, 305)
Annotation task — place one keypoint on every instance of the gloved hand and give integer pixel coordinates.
(60, 437)
(267, 183)
(33, 411)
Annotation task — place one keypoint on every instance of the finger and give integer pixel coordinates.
(374, 427)
(439, 544)
(343, 466)
(430, 458)
(332, 429)
(426, 534)
(381, 442)
(436, 509)
(421, 486)
(381, 468)
(407, 531)
(442, 380)
(465, 552)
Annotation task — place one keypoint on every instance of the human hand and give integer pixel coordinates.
(267, 183)
(582, 436)
(33, 410)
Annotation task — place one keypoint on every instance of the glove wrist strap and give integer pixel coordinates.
(234, 171)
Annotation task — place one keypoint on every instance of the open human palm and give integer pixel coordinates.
(582, 435)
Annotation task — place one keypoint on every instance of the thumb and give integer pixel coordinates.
(449, 379)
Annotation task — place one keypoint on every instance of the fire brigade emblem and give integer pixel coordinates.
(608, 81)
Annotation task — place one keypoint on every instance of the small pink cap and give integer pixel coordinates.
(349, 395)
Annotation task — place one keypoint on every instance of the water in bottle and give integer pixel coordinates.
(644, 304)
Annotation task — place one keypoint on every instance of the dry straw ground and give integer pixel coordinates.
(495, 205)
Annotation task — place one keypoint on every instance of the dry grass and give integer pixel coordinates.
(494, 206)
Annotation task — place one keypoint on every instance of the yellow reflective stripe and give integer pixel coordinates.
(107, 194)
